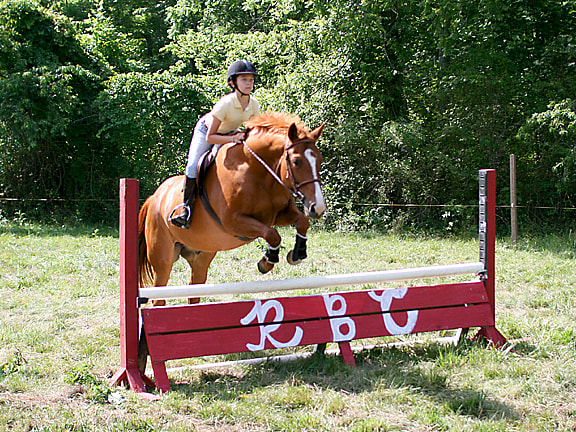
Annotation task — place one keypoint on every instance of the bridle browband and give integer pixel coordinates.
(295, 190)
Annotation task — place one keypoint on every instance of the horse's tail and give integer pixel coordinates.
(145, 273)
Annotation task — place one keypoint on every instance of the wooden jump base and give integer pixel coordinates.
(175, 332)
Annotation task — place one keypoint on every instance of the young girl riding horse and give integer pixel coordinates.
(219, 126)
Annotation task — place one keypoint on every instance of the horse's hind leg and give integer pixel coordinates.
(199, 263)
(162, 256)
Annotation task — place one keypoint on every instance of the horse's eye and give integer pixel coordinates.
(297, 162)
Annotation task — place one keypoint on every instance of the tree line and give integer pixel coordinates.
(417, 96)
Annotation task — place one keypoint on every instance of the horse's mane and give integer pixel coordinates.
(275, 122)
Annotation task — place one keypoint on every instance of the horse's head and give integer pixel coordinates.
(303, 161)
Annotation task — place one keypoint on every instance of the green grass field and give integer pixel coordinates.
(59, 342)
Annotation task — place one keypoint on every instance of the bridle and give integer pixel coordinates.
(295, 190)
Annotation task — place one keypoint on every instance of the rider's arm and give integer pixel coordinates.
(212, 136)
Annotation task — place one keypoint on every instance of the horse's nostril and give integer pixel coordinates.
(315, 212)
(318, 209)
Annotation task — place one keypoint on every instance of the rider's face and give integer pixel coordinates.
(245, 83)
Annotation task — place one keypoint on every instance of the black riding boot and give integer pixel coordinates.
(183, 219)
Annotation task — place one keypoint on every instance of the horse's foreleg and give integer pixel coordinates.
(272, 255)
(299, 253)
(270, 259)
(252, 228)
(300, 221)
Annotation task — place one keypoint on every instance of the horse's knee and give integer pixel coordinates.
(272, 236)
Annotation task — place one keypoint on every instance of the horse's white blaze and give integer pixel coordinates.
(319, 203)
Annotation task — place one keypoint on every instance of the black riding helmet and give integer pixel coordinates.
(238, 68)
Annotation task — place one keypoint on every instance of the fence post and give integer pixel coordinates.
(487, 237)
(129, 320)
(513, 208)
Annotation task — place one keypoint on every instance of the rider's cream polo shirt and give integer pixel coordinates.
(229, 111)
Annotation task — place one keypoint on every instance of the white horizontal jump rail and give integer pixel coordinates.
(203, 290)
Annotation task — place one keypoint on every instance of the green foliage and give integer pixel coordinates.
(35, 37)
(119, 51)
(547, 155)
(47, 86)
(147, 120)
(486, 67)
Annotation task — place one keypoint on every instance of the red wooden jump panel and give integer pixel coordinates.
(239, 339)
(224, 315)
(250, 333)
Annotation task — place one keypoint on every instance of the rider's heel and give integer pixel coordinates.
(190, 191)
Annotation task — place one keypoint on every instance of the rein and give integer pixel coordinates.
(296, 190)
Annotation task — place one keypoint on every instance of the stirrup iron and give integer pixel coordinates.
(179, 220)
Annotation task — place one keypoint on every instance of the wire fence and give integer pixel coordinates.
(335, 203)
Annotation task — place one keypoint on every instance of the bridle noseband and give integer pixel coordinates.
(295, 190)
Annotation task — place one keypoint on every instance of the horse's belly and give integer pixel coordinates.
(206, 235)
(214, 242)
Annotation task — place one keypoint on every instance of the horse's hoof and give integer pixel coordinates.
(264, 266)
(291, 261)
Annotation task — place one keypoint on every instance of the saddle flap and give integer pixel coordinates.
(204, 163)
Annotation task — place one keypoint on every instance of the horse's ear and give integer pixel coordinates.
(293, 132)
(317, 132)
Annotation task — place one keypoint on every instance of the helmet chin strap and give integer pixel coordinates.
(240, 91)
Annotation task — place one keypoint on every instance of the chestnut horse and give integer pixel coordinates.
(250, 187)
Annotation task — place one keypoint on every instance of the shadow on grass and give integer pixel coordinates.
(389, 368)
